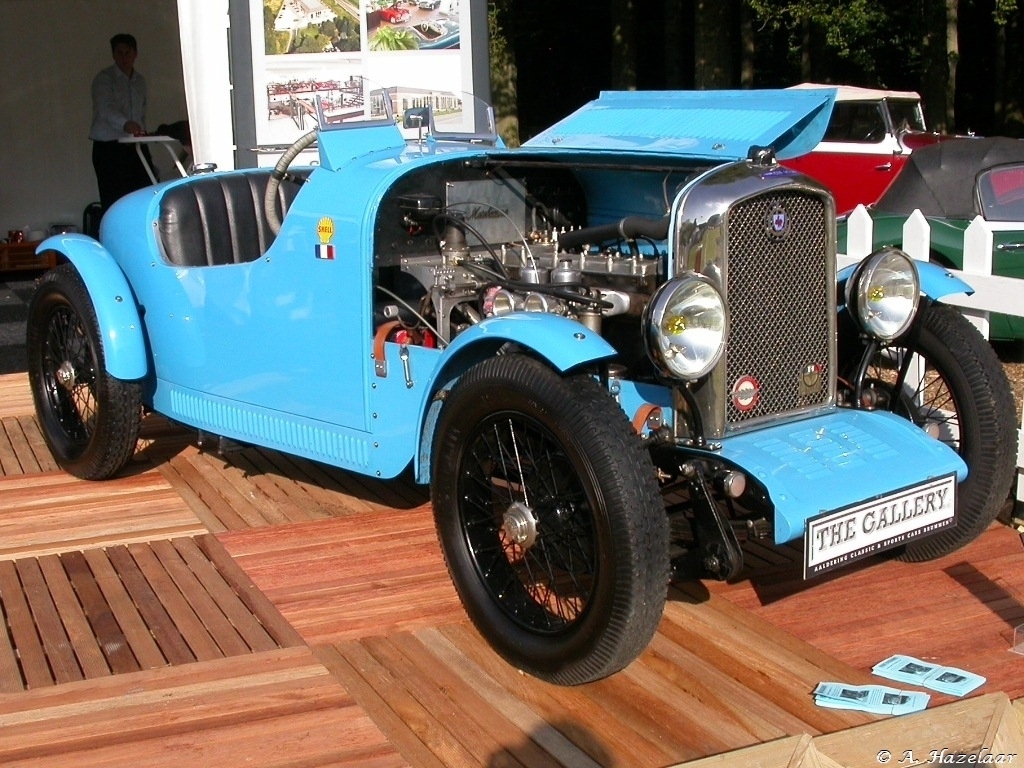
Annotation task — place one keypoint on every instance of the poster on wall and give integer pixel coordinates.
(345, 57)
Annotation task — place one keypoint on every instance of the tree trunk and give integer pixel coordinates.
(675, 27)
(952, 58)
(748, 42)
(713, 27)
(936, 66)
(623, 73)
(999, 72)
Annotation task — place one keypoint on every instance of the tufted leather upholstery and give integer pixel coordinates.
(218, 219)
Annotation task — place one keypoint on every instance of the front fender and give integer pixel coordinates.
(936, 281)
(124, 344)
(563, 343)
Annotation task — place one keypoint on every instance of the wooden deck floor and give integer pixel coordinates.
(257, 609)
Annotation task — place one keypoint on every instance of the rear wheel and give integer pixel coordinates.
(957, 391)
(550, 519)
(89, 419)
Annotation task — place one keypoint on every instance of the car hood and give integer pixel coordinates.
(712, 125)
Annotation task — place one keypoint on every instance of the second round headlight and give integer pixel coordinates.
(883, 293)
(686, 327)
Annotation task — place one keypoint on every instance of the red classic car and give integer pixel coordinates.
(394, 15)
(869, 136)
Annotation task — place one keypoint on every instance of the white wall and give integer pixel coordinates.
(49, 53)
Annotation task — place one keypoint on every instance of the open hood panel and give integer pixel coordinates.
(715, 125)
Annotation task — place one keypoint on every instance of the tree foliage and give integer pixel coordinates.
(965, 57)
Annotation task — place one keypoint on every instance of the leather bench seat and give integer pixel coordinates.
(218, 218)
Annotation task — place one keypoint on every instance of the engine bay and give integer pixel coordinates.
(457, 243)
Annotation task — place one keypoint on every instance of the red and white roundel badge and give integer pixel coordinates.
(746, 393)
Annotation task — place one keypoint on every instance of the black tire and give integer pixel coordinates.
(520, 449)
(89, 419)
(964, 399)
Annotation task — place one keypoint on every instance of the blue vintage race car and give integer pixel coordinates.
(614, 353)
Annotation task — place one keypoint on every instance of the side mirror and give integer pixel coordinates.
(417, 117)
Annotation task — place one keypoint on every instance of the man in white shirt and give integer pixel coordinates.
(118, 111)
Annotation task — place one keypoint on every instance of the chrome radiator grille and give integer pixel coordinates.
(778, 289)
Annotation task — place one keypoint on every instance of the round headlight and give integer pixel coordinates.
(686, 327)
(883, 292)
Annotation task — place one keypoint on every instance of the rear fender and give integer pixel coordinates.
(124, 344)
(564, 344)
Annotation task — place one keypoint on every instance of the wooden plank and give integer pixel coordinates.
(326, 737)
(122, 606)
(476, 713)
(229, 507)
(223, 633)
(713, 687)
(248, 626)
(275, 624)
(55, 641)
(15, 395)
(181, 613)
(594, 730)
(37, 445)
(410, 712)
(26, 459)
(9, 462)
(10, 673)
(22, 627)
(157, 621)
(520, 711)
(112, 642)
(55, 512)
(262, 475)
(80, 635)
(139, 706)
(233, 475)
(775, 665)
(453, 723)
(408, 743)
(325, 485)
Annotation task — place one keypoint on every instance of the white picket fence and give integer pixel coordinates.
(991, 292)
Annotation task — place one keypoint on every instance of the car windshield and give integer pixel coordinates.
(1001, 191)
(906, 115)
(418, 112)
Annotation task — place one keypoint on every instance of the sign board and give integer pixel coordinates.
(255, 69)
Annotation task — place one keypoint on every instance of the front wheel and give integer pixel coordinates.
(89, 419)
(954, 388)
(550, 520)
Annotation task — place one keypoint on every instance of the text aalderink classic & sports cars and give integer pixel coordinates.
(614, 353)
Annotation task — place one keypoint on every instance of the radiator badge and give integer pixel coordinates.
(810, 380)
(746, 393)
(777, 225)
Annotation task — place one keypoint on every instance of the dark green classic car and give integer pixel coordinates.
(952, 183)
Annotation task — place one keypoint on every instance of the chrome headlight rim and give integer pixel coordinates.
(884, 274)
(679, 298)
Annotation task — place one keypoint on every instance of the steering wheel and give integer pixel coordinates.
(279, 174)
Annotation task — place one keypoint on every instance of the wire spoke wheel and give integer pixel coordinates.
(550, 519)
(528, 523)
(89, 419)
(925, 397)
(69, 376)
(955, 388)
